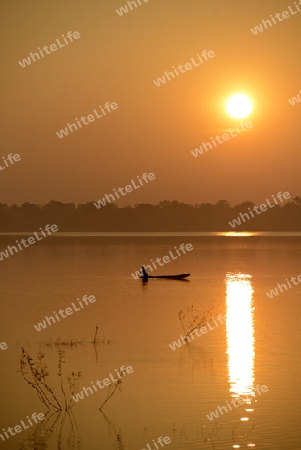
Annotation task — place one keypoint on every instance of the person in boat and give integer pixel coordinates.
(144, 273)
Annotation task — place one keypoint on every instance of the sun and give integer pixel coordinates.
(239, 106)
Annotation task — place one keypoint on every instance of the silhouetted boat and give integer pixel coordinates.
(171, 277)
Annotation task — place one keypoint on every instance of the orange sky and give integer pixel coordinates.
(154, 128)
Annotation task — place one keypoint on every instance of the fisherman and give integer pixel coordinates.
(144, 273)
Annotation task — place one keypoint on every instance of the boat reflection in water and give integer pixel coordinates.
(240, 343)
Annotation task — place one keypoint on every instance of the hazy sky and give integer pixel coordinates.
(154, 128)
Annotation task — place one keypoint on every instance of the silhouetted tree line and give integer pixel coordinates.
(165, 216)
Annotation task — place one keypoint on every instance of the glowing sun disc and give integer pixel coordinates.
(239, 106)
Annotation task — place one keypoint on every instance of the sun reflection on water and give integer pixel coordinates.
(240, 335)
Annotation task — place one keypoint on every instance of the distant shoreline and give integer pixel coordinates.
(105, 234)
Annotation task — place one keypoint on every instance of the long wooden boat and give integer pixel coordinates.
(181, 276)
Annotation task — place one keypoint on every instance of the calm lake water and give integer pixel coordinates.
(170, 393)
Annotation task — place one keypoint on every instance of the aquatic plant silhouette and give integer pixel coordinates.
(193, 319)
(116, 433)
(74, 342)
(115, 386)
(59, 402)
(35, 373)
(67, 434)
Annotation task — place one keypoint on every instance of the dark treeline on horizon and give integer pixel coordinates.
(165, 216)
